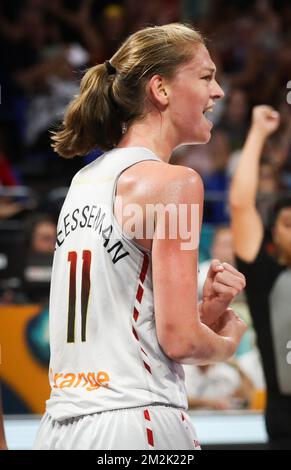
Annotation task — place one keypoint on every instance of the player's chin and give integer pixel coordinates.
(204, 134)
(207, 138)
(203, 137)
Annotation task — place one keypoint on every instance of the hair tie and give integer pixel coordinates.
(111, 70)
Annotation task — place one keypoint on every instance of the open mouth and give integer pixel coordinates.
(208, 110)
(208, 113)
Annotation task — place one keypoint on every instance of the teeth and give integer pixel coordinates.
(207, 114)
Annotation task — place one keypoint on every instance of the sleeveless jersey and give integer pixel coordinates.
(104, 349)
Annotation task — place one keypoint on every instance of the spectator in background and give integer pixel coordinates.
(194, 156)
(218, 386)
(44, 44)
(270, 185)
(234, 121)
(7, 178)
(217, 182)
(113, 28)
(267, 272)
(38, 250)
(274, 168)
(25, 39)
(11, 206)
(40, 234)
(278, 147)
(78, 25)
(8, 207)
(44, 72)
(156, 12)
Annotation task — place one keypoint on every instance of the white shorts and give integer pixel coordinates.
(153, 427)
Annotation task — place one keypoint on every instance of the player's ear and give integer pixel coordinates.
(158, 90)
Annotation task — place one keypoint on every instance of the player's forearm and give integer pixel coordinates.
(204, 347)
(245, 180)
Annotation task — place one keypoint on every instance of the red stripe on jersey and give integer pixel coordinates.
(139, 293)
(142, 350)
(135, 314)
(183, 417)
(147, 367)
(149, 431)
(147, 415)
(135, 333)
(144, 268)
(150, 437)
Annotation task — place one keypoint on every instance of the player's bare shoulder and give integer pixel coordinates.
(157, 181)
(180, 184)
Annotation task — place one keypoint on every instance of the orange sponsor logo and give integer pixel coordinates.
(88, 380)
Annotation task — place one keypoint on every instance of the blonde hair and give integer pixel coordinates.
(108, 101)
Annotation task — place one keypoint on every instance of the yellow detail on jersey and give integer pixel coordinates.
(90, 380)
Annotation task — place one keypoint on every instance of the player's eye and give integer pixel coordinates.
(207, 77)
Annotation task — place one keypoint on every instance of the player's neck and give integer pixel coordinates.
(150, 133)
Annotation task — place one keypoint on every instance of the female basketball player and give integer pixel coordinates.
(123, 309)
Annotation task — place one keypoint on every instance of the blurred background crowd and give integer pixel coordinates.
(45, 48)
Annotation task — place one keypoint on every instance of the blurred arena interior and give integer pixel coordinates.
(45, 49)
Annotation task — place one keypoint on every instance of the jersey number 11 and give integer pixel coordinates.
(85, 291)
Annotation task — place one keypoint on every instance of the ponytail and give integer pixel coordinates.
(91, 120)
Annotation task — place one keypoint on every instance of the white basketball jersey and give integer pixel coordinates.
(104, 349)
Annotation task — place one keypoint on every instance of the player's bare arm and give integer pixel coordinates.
(180, 330)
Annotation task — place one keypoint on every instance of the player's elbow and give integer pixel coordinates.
(184, 347)
(177, 352)
(202, 354)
